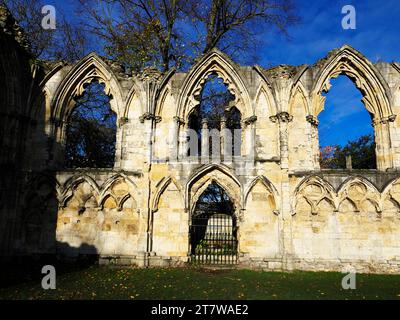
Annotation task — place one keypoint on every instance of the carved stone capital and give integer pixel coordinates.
(284, 117)
(150, 74)
(384, 120)
(157, 119)
(312, 119)
(149, 116)
(281, 117)
(250, 120)
(145, 116)
(388, 119)
(274, 119)
(122, 121)
(178, 120)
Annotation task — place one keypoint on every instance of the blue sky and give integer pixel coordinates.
(377, 36)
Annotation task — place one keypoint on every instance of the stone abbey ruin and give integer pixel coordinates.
(282, 211)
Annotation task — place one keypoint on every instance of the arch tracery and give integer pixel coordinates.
(348, 61)
(215, 63)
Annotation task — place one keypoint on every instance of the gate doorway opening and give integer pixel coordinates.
(213, 229)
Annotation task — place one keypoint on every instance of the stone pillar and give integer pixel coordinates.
(182, 141)
(314, 140)
(120, 142)
(226, 142)
(174, 139)
(283, 119)
(250, 137)
(349, 165)
(384, 156)
(204, 141)
(59, 143)
(147, 119)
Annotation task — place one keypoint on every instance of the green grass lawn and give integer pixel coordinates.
(128, 283)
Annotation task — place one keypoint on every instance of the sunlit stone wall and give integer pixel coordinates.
(290, 214)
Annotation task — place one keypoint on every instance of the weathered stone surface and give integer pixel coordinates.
(291, 215)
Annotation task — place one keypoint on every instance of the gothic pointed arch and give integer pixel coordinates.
(40, 97)
(163, 89)
(213, 173)
(161, 186)
(164, 93)
(299, 97)
(91, 68)
(135, 92)
(269, 188)
(73, 183)
(391, 193)
(313, 190)
(359, 190)
(214, 63)
(266, 83)
(396, 67)
(264, 91)
(357, 179)
(116, 178)
(376, 94)
(350, 62)
(120, 188)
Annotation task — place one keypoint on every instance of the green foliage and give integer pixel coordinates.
(174, 33)
(361, 150)
(202, 246)
(153, 33)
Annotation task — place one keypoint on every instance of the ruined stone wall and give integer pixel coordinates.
(291, 215)
(15, 120)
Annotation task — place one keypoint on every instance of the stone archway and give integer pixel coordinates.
(213, 229)
(376, 97)
(220, 218)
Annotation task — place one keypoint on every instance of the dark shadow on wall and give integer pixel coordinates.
(33, 242)
(28, 187)
(28, 268)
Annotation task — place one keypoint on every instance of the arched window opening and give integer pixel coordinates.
(213, 231)
(346, 135)
(91, 130)
(214, 119)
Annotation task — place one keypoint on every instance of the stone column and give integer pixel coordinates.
(384, 156)
(182, 141)
(286, 246)
(283, 119)
(250, 137)
(204, 141)
(59, 143)
(147, 119)
(314, 140)
(174, 139)
(120, 142)
(226, 152)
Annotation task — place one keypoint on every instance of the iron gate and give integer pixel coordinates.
(213, 239)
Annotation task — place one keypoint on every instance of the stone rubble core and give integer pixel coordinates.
(291, 214)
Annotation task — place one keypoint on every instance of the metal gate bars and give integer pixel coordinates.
(213, 239)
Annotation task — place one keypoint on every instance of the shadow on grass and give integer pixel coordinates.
(27, 268)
